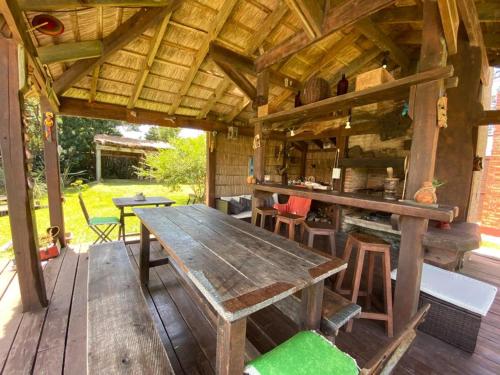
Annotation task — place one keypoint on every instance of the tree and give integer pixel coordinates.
(158, 133)
(182, 165)
(76, 139)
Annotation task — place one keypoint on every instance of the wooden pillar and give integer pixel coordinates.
(17, 180)
(210, 184)
(52, 171)
(98, 175)
(303, 161)
(261, 101)
(421, 167)
(284, 176)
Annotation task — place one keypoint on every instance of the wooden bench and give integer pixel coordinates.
(337, 311)
(122, 338)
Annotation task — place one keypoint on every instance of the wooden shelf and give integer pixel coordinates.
(441, 213)
(394, 162)
(387, 91)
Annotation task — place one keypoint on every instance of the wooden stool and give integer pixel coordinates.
(291, 220)
(316, 228)
(264, 212)
(373, 246)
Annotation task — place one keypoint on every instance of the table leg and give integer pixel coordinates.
(122, 222)
(312, 304)
(144, 255)
(231, 337)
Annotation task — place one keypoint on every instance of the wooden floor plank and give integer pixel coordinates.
(22, 355)
(6, 277)
(75, 358)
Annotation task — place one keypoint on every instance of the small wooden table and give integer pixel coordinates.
(122, 203)
(237, 267)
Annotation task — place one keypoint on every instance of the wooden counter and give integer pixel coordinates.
(442, 213)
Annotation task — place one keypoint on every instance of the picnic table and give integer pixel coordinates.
(122, 203)
(237, 267)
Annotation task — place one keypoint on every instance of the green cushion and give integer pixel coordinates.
(103, 220)
(306, 353)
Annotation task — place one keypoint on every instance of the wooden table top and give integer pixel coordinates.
(238, 267)
(150, 201)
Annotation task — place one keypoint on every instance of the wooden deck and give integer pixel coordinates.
(53, 340)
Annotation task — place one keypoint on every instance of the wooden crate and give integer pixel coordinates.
(370, 79)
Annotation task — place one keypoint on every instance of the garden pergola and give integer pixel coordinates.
(240, 63)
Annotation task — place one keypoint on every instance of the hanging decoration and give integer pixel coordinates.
(47, 24)
(256, 142)
(48, 123)
(232, 132)
(442, 112)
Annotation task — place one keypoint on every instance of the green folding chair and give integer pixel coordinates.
(102, 226)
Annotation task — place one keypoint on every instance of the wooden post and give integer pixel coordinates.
(231, 339)
(284, 176)
(259, 158)
(98, 175)
(211, 159)
(421, 167)
(19, 195)
(52, 171)
(143, 255)
(303, 161)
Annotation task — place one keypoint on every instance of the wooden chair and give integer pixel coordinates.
(102, 226)
(371, 246)
(310, 353)
(291, 214)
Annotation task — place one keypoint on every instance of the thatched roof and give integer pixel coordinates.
(177, 75)
(138, 144)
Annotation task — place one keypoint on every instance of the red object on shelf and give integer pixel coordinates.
(49, 252)
(295, 205)
(47, 24)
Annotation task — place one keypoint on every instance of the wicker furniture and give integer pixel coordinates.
(315, 228)
(371, 246)
(458, 303)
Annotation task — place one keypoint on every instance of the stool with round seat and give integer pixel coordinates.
(264, 212)
(316, 228)
(371, 246)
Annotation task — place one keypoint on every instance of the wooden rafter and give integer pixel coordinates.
(148, 63)
(238, 79)
(310, 13)
(489, 117)
(81, 108)
(356, 65)
(93, 83)
(124, 34)
(70, 51)
(450, 21)
(266, 28)
(237, 109)
(372, 32)
(339, 17)
(215, 29)
(470, 18)
(48, 5)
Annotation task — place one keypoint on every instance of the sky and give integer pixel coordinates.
(143, 129)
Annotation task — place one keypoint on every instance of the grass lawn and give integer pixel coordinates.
(98, 201)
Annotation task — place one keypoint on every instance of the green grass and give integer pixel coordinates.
(98, 201)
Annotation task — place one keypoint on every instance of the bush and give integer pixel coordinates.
(182, 165)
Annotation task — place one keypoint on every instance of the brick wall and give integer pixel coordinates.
(490, 189)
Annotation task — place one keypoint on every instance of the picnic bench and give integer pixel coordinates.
(122, 338)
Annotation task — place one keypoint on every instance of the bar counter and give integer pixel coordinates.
(441, 213)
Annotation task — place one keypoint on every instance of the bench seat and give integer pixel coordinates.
(122, 338)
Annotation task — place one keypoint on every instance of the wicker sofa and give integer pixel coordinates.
(458, 304)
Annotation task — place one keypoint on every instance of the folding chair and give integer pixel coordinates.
(102, 226)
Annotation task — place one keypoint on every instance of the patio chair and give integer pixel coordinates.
(309, 352)
(102, 226)
(292, 213)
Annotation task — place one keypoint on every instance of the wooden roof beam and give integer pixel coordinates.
(237, 110)
(310, 13)
(246, 65)
(148, 63)
(215, 29)
(346, 14)
(269, 24)
(450, 21)
(468, 13)
(70, 51)
(48, 5)
(239, 80)
(490, 117)
(372, 32)
(81, 108)
(122, 35)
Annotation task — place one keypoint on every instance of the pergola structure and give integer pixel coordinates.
(200, 65)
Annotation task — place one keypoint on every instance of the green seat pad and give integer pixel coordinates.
(306, 353)
(104, 220)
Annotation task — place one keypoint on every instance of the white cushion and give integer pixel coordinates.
(227, 199)
(455, 288)
(243, 215)
(275, 198)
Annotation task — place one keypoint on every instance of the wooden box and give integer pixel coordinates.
(370, 79)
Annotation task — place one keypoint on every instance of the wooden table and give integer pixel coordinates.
(237, 267)
(122, 203)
